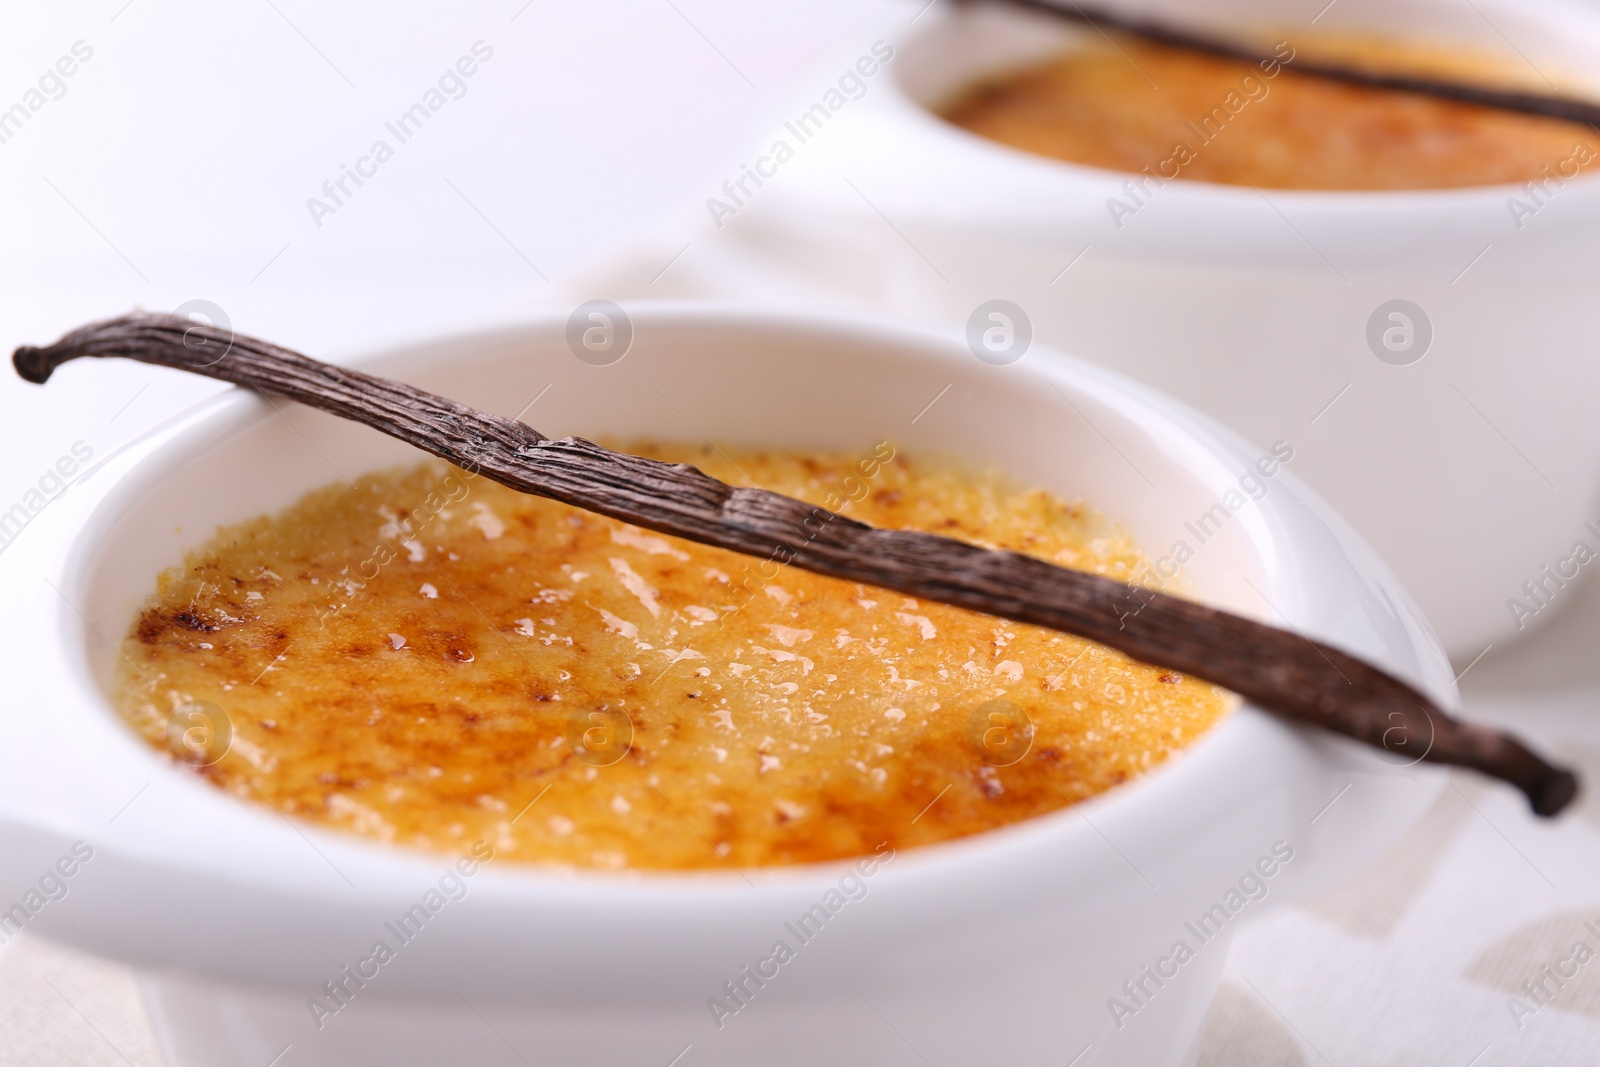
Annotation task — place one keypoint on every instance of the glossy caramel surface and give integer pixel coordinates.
(430, 659)
(1128, 105)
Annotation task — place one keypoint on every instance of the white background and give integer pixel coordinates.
(178, 164)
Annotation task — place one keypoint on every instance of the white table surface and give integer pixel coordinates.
(177, 166)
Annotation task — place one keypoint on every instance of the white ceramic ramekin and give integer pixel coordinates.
(1007, 947)
(1469, 469)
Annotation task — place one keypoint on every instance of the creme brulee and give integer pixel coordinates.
(1173, 113)
(431, 659)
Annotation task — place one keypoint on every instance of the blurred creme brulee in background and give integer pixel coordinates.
(1173, 113)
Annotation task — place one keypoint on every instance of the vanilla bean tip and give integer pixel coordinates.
(33, 364)
(1553, 792)
(1550, 789)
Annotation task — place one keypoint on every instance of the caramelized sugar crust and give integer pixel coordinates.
(430, 659)
(1183, 114)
